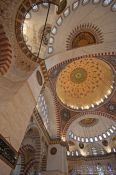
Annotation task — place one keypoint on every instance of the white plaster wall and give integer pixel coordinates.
(4, 168)
(57, 162)
(15, 115)
(89, 50)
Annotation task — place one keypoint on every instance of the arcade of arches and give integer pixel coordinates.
(57, 87)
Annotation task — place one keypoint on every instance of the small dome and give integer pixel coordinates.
(85, 83)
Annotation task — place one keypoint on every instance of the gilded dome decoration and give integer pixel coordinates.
(85, 83)
(83, 39)
(88, 122)
(78, 75)
(84, 35)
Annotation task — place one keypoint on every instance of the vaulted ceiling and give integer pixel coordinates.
(77, 60)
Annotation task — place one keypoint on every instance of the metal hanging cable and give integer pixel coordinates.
(38, 54)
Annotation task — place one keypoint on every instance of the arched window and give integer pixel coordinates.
(110, 169)
(100, 169)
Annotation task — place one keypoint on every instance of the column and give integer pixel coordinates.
(57, 160)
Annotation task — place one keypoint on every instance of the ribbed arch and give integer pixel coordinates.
(5, 52)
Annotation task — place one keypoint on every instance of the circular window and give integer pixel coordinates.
(81, 145)
(39, 77)
(105, 142)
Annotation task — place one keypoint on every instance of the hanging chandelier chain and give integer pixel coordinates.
(46, 1)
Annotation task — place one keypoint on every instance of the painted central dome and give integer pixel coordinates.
(84, 83)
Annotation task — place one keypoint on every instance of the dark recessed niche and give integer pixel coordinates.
(39, 78)
(53, 151)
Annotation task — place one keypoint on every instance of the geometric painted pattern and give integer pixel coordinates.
(83, 35)
(5, 52)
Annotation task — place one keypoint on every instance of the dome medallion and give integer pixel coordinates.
(88, 122)
(78, 75)
(85, 83)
